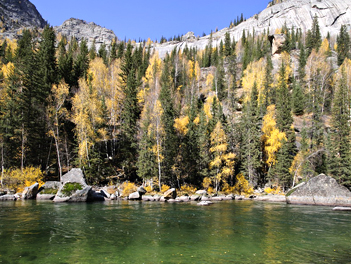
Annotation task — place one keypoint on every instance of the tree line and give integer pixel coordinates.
(199, 117)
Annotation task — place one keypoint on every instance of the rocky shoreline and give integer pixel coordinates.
(319, 190)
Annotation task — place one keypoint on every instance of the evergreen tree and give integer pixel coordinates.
(251, 145)
(284, 118)
(340, 156)
(343, 45)
(298, 99)
(102, 53)
(130, 113)
(227, 44)
(168, 115)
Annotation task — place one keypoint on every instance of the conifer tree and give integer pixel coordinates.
(250, 148)
(130, 113)
(168, 115)
(343, 45)
(298, 99)
(227, 44)
(340, 156)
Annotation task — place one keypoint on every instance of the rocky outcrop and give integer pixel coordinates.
(80, 29)
(294, 13)
(15, 15)
(277, 42)
(77, 193)
(320, 190)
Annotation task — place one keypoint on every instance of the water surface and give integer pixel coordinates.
(147, 232)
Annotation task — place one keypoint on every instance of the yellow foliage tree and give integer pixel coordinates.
(181, 124)
(272, 137)
(223, 161)
(56, 112)
(254, 73)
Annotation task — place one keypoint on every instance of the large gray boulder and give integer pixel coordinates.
(320, 190)
(134, 196)
(74, 175)
(49, 190)
(31, 191)
(73, 192)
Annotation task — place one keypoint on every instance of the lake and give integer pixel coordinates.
(151, 232)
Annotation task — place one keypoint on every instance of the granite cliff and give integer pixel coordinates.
(295, 13)
(15, 15)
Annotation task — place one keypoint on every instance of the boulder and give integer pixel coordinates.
(74, 175)
(141, 190)
(105, 193)
(204, 203)
(8, 197)
(195, 197)
(134, 196)
(320, 190)
(277, 42)
(73, 192)
(201, 192)
(205, 198)
(113, 197)
(31, 191)
(341, 208)
(184, 198)
(170, 194)
(49, 190)
(217, 198)
(94, 196)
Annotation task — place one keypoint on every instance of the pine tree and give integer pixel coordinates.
(168, 115)
(340, 156)
(343, 45)
(298, 99)
(130, 113)
(287, 151)
(251, 145)
(227, 44)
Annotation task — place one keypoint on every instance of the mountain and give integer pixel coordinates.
(91, 32)
(15, 15)
(294, 13)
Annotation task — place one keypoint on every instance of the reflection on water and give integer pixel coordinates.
(135, 232)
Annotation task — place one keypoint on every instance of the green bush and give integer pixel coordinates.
(71, 187)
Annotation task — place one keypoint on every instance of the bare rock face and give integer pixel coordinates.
(320, 190)
(15, 15)
(331, 15)
(80, 29)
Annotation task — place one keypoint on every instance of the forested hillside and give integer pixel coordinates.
(206, 118)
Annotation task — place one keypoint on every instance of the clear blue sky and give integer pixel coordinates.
(151, 18)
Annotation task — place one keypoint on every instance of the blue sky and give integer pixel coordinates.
(152, 18)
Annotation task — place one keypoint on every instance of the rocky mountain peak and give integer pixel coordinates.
(91, 32)
(15, 14)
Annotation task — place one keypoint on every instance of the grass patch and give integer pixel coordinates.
(70, 188)
(49, 191)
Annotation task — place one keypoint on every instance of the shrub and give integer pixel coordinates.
(274, 190)
(127, 188)
(187, 189)
(242, 186)
(71, 187)
(165, 188)
(17, 180)
(148, 188)
(49, 191)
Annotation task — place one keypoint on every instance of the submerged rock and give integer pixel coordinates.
(320, 190)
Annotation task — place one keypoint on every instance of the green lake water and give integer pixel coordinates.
(148, 232)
